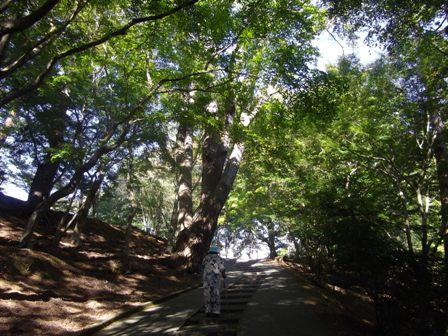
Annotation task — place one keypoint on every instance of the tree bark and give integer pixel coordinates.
(16, 25)
(172, 231)
(194, 241)
(219, 170)
(70, 187)
(441, 156)
(271, 240)
(84, 211)
(67, 218)
(128, 235)
(405, 212)
(424, 213)
(184, 160)
(44, 177)
(132, 211)
(214, 154)
(41, 185)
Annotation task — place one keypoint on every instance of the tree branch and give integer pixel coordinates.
(53, 61)
(14, 26)
(4, 5)
(35, 50)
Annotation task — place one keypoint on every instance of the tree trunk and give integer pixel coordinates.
(62, 226)
(214, 154)
(424, 212)
(44, 206)
(42, 184)
(268, 237)
(45, 174)
(80, 223)
(405, 212)
(70, 187)
(271, 240)
(441, 155)
(194, 241)
(296, 243)
(219, 170)
(41, 208)
(172, 231)
(84, 211)
(184, 160)
(128, 235)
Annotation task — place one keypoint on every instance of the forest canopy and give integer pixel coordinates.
(208, 121)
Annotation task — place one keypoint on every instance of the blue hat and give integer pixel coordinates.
(213, 249)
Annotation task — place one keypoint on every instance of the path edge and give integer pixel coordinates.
(133, 310)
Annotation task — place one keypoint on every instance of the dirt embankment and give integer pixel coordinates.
(61, 291)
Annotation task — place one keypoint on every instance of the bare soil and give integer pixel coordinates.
(64, 290)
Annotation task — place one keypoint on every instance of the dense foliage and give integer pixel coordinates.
(142, 113)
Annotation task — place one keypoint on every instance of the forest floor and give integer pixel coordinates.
(62, 291)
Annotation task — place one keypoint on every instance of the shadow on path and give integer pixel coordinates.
(261, 299)
(280, 307)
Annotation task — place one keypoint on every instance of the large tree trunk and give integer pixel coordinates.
(45, 205)
(194, 241)
(42, 184)
(184, 160)
(45, 174)
(272, 235)
(441, 155)
(41, 209)
(219, 170)
(269, 238)
(172, 230)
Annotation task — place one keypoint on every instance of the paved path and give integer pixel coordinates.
(260, 299)
(280, 308)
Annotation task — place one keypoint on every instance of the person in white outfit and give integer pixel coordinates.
(213, 276)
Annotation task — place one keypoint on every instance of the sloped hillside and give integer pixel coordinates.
(61, 291)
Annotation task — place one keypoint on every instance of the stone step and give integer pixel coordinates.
(225, 316)
(236, 296)
(234, 300)
(239, 290)
(211, 321)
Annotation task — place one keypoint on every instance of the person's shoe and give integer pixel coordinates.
(214, 315)
(209, 314)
